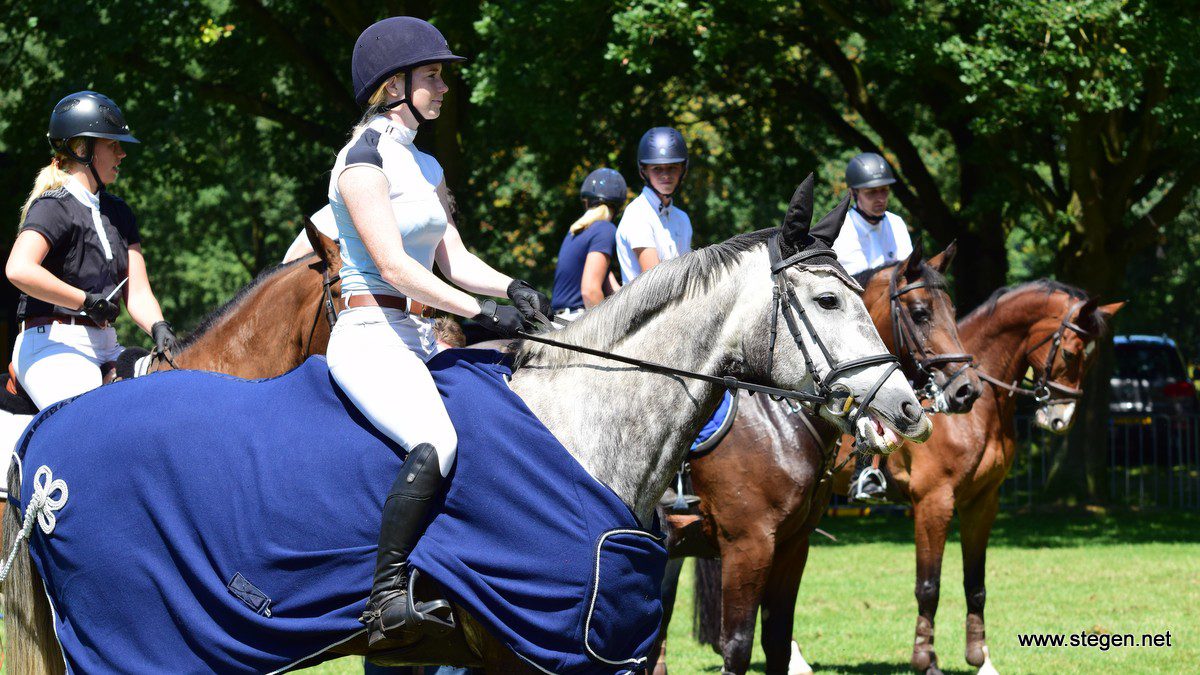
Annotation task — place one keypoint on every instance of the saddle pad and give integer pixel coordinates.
(214, 524)
(716, 427)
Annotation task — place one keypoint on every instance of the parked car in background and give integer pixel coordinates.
(1153, 402)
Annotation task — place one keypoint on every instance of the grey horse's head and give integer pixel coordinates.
(830, 328)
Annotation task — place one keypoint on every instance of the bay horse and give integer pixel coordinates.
(763, 488)
(724, 298)
(1046, 326)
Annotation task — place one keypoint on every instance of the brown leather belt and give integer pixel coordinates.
(391, 302)
(35, 321)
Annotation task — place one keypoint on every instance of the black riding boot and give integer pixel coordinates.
(391, 618)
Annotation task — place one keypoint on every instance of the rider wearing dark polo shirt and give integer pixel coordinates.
(582, 279)
(77, 255)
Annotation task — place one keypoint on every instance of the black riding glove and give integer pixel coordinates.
(164, 338)
(528, 300)
(99, 309)
(503, 320)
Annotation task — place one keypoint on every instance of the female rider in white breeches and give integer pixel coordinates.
(76, 247)
(390, 203)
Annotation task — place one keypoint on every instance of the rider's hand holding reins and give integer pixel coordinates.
(502, 320)
(531, 302)
(164, 338)
(100, 309)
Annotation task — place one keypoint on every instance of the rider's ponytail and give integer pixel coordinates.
(377, 104)
(602, 211)
(52, 176)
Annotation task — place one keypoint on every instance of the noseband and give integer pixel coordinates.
(784, 302)
(1043, 388)
(906, 336)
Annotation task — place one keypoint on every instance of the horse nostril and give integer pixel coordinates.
(964, 393)
(911, 412)
(1057, 424)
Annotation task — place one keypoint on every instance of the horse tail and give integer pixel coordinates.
(706, 612)
(28, 622)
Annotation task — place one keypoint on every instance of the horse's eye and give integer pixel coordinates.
(828, 301)
(920, 314)
(1069, 356)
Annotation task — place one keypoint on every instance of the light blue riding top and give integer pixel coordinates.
(413, 177)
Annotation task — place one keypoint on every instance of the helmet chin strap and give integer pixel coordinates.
(65, 148)
(407, 100)
(874, 220)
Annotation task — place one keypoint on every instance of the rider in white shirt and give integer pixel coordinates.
(653, 229)
(871, 237)
(878, 236)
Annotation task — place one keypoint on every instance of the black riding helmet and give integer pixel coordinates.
(604, 185)
(868, 170)
(90, 115)
(393, 46)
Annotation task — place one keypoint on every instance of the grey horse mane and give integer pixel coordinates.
(640, 300)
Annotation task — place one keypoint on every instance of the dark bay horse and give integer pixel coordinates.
(761, 489)
(729, 289)
(1045, 326)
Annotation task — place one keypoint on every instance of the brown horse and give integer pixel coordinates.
(1045, 326)
(762, 489)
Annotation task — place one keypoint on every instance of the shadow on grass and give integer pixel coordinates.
(866, 668)
(1037, 529)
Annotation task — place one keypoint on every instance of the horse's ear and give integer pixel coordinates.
(798, 218)
(1094, 317)
(941, 262)
(323, 246)
(912, 266)
(826, 231)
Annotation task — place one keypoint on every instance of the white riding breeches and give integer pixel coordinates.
(377, 356)
(61, 360)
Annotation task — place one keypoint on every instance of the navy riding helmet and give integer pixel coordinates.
(662, 145)
(603, 185)
(392, 46)
(868, 170)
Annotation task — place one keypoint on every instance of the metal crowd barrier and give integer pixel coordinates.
(1153, 461)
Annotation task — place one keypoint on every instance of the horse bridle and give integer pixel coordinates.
(326, 303)
(1043, 387)
(784, 302)
(905, 335)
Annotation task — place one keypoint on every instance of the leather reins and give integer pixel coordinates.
(1043, 387)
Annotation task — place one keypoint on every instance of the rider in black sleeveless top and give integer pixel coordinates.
(77, 255)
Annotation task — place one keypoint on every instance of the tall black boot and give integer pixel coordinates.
(392, 620)
(867, 485)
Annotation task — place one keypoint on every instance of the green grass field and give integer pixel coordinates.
(1047, 572)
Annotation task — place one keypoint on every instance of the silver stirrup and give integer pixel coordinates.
(859, 487)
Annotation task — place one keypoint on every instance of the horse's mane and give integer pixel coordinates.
(1045, 286)
(931, 275)
(219, 313)
(627, 310)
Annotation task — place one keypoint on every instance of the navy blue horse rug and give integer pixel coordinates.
(212, 524)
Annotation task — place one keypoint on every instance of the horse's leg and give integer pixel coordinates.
(975, 521)
(670, 584)
(932, 515)
(779, 605)
(744, 568)
(28, 624)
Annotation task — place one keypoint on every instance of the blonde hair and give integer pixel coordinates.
(377, 104)
(53, 176)
(603, 211)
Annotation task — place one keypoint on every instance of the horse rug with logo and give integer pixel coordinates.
(212, 524)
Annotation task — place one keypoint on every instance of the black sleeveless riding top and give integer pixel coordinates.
(89, 237)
